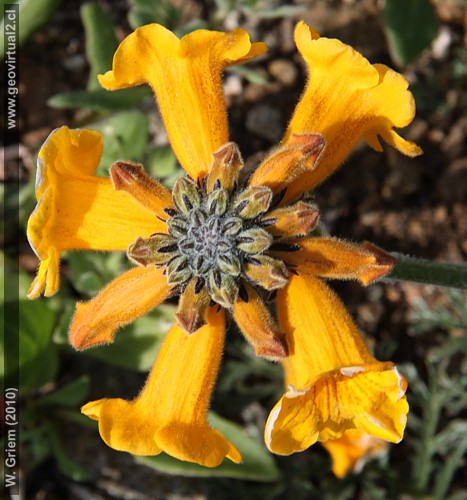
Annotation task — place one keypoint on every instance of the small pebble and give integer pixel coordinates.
(284, 71)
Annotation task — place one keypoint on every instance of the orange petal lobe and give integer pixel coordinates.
(186, 76)
(170, 414)
(258, 327)
(338, 259)
(351, 451)
(334, 383)
(76, 210)
(128, 297)
(346, 100)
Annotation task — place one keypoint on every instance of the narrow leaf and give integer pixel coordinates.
(32, 14)
(38, 362)
(99, 99)
(71, 395)
(411, 26)
(101, 42)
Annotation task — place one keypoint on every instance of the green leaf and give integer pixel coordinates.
(452, 463)
(9, 199)
(101, 42)
(37, 441)
(449, 312)
(100, 99)
(250, 74)
(126, 138)
(38, 362)
(27, 201)
(73, 416)
(66, 465)
(71, 395)
(154, 11)
(17, 278)
(91, 271)
(161, 162)
(65, 315)
(136, 345)
(31, 16)
(410, 26)
(257, 465)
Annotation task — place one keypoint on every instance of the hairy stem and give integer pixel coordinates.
(425, 271)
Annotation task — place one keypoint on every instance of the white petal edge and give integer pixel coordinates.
(270, 425)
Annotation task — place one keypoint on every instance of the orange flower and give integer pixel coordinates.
(352, 450)
(218, 240)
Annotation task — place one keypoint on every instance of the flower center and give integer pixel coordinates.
(207, 240)
(216, 236)
(223, 236)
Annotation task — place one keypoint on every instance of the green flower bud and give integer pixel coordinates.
(229, 264)
(253, 201)
(269, 273)
(232, 226)
(199, 265)
(185, 195)
(218, 202)
(178, 226)
(223, 289)
(157, 249)
(254, 240)
(178, 271)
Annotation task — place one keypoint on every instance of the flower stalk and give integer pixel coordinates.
(431, 273)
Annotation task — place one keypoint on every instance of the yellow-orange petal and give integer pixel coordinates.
(288, 162)
(131, 177)
(351, 451)
(186, 76)
(123, 427)
(130, 296)
(47, 278)
(77, 210)
(258, 327)
(320, 332)
(370, 399)
(225, 167)
(338, 259)
(297, 219)
(347, 99)
(170, 414)
(192, 307)
(334, 383)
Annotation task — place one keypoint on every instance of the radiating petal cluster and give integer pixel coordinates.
(220, 240)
